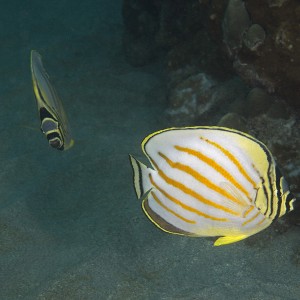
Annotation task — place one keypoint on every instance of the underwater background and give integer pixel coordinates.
(70, 224)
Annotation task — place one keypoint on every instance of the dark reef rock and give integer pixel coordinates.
(258, 102)
(268, 56)
(254, 36)
(277, 59)
(236, 22)
(174, 28)
(257, 39)
(199, 99)
(191, 98)
(233, 120)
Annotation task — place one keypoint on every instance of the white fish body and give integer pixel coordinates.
(210, 181)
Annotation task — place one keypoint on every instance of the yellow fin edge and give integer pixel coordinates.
(225, 240)
(71, 144)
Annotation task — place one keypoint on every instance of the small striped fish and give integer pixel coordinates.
(210, 181)
(54, 123)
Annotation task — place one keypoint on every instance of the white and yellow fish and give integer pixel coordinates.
(210, 181)
(54, 123)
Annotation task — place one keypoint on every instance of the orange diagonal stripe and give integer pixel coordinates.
(251, 219)
(232, 158)
(248, 211)
(192, 193)
(184, 206)
(215, 166)
(199, 177)
(170, 210)
(260, 222)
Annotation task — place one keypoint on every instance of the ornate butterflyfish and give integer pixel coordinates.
(210, 181)
(54, 123)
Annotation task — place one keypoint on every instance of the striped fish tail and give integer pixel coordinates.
(141, 179)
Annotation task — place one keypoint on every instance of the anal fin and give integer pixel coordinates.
(225, 240)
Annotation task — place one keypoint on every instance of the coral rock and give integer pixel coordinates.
(236, 22)
(254, 37)
(233, 120)
(258, 102)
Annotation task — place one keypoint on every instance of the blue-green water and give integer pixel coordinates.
(70, 224)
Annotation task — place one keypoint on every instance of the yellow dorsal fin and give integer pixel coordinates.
(225, 240)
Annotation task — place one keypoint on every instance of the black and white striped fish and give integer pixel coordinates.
(210, 181)
(54, 123)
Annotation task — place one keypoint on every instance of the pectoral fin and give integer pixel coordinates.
(225, 240)
(243, 204)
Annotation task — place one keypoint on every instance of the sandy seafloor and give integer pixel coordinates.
(70, 224)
